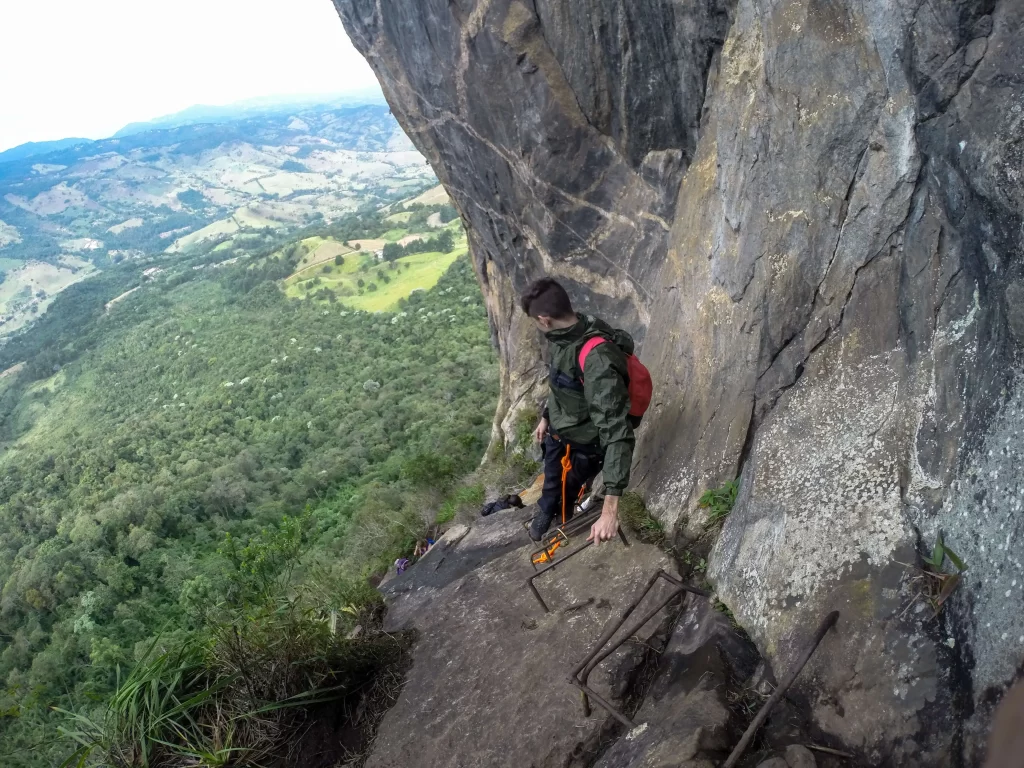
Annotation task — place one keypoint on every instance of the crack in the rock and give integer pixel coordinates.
(844, 210)
(771, 398)
(750, 279)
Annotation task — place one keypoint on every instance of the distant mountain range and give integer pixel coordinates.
(267, 105)
(211, 114)
(32, 148)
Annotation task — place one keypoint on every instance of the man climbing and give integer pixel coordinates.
(598, 393)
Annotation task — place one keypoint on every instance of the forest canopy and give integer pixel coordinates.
(144, 446)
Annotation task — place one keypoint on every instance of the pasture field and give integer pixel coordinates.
(433, 196)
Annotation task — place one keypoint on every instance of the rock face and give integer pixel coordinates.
(489, 679)
(810, 212)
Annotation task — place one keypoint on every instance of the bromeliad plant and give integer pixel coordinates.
(938, 583)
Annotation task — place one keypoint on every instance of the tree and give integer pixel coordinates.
(358, 246)
(445, 241)
(392, 251)
(339, 260)
(361, 283)
(371, 287)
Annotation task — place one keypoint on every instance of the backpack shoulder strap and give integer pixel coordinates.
(588, 346)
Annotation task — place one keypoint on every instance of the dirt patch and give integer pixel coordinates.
(117, 229)
(341, 733)
(433, 196)
(12, 371)
(369, 246)
(116, 299)
(411, 239)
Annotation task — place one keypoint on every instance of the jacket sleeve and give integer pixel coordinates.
(604, 387)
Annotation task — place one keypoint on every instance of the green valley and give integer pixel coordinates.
(206, 450)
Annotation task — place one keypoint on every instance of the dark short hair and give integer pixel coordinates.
(547, 297)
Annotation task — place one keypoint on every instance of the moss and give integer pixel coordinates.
(634, 515)
(466, 497)
(525, 423)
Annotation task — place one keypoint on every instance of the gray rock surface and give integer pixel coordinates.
(488, 684)
(810, 213)
(683, 722)
(799, 756)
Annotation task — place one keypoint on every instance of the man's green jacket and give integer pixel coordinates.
(595, 415)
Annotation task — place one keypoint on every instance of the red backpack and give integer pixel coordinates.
(640, 386)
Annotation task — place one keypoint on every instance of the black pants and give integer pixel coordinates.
(567, 470)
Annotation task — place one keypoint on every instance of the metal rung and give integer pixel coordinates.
(581, 673)
(545, 569)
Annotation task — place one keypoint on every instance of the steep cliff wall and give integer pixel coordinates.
(810, 212)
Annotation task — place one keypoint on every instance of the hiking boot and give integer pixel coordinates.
(541, 523)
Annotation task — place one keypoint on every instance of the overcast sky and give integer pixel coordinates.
(87, 67)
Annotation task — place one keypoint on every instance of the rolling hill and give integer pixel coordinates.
(242, 175)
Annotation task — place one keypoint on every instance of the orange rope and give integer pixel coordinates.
(566, 466)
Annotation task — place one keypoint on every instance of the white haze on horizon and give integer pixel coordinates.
(86, 69)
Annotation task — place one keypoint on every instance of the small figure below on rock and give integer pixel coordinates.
(589, 420)
(422, 547)
(505, 502)
(401, 564)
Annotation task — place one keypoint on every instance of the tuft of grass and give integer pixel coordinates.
(154, 715)
(517, 453)
(634, 515)
(237, 695)
(445, 514)
(696, 562)
(719, 502)
(723, 608)
(464, 498)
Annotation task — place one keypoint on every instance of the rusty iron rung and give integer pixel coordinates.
(762, 714)
(580, 675)
(559, 561)
(560, 537)
(571, 527)
(546, 554)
